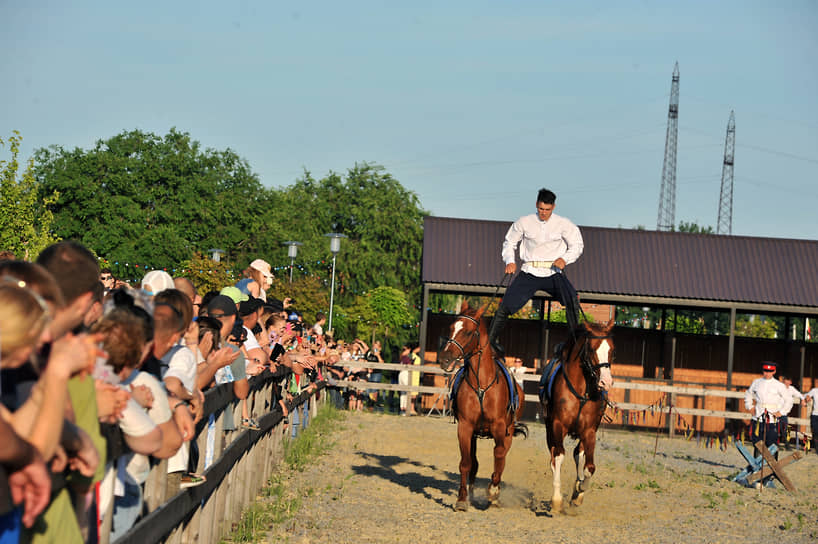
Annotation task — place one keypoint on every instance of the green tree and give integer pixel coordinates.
(207, 274)
(693, 228)
(384, 312)
(25, 220)
(142, 198)
(383, 223)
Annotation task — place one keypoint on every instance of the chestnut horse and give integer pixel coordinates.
(576, 402)
(482, 405)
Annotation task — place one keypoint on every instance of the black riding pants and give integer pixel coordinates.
(525, 285)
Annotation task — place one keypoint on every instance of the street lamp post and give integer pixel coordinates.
(292, 253)
(334, 247)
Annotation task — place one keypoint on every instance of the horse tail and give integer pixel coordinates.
(520, 429)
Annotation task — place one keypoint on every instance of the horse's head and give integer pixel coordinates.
(600, 346)
(463, 339)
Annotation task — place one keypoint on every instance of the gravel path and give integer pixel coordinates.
(395, 479)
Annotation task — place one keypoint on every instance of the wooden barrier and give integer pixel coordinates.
(695, 394)
(243, 461)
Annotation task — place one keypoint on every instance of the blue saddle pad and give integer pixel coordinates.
(514, 397)
(547, 378)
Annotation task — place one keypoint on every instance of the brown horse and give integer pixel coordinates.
(576, 403)
(482, 406)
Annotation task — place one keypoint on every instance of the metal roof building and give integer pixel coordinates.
(628, 266)
(638, 267)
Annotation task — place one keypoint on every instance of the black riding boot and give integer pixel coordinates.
(498, 323)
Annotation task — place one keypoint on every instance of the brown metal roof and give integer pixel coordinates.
(640, 263)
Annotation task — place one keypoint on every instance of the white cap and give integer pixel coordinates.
(157, 281)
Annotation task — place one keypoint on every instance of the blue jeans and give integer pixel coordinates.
(303, 417)
(127, 510)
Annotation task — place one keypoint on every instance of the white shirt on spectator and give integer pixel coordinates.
(813, 394)
(181, 364)
(251, 342)
(767, 395)
(138, 465)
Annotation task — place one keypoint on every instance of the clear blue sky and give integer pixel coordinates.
(471, 105)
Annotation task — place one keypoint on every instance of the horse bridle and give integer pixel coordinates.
(594, 369)
(475, 337)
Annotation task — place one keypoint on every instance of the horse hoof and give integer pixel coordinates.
(494, 493)
(577, 501)
(572, 510)
(461, 506)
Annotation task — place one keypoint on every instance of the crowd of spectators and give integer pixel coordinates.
(101, 379)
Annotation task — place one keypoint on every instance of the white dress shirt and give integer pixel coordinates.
(767, 395)
(542, 241)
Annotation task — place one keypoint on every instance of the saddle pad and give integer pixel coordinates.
(547, 379)
(514, 398)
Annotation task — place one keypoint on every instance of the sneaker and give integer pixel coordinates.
(250, 423)
(191, 479)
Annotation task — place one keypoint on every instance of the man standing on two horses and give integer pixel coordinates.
(547, 242)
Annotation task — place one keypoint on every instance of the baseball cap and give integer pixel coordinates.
(156, 281)
(220, 306)
(262, 266)
(234, 293)
(769, 366)
(247, 307)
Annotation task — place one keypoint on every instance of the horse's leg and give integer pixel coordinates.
(474, 464)
(464, 437)
(556, 434)
(584, 456)
(502, 443)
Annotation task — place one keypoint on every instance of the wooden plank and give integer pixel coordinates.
(391, 387)
(774, 465)
(767, 471)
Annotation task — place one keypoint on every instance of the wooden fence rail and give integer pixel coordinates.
(620, 382)
(243, 461)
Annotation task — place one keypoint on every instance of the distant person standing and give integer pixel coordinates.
(812, 396)
(797, 398)
(548, 242)
(769, 400)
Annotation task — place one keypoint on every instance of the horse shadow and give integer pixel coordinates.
(383, 466)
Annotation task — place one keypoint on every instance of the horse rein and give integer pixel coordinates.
(583, 359)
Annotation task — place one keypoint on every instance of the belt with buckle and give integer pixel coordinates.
(540, 264)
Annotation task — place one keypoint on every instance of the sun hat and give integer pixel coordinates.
(262, 266)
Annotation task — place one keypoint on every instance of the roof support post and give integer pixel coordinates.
(731, 347)
(424, 321)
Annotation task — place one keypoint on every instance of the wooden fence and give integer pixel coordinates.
(670, 399)
(243, 462)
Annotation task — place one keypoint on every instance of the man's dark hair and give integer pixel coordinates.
(546, 197)
(73, 266)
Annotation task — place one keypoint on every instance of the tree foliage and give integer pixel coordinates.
(694, 228)
(163, 202)
(25, 220)
(141, 198)
(207, 274)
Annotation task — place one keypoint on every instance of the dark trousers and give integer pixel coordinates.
(768, 432)
(813, 425)
(557, 285)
